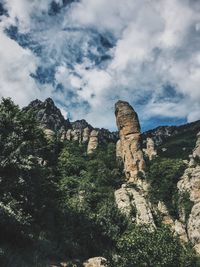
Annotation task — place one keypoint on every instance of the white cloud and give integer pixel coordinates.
(157, 43)
(21, 11)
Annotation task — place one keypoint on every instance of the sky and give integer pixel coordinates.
(88, 54)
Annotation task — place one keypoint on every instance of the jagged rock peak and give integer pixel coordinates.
(130, 141)
(48, 115)
(81, 124)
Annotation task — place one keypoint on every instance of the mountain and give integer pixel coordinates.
(174, 141)
(78, 201)
(50, 117)
(170, 140)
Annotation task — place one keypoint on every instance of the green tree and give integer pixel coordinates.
(163, 176)
(140, 247)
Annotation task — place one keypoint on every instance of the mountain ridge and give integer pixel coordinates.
(49, 116)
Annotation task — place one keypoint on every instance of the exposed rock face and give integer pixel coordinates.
(49, 134)
(180, 230)
(96, 262)
(86, 135)
(93, 142)
(177, 226)
(194, 226)
(190, 184)
(119, 151)
(130, 138)
(150, 150)
(81, 125)
(196, 152)
(133, 203)
(48, 115)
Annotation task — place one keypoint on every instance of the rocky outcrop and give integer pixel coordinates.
(131, 198)
(196, 152)
(178, 227)
(119, 151)
(93, 142)
(96, 262)
(194, 227)
(49, 134)
(150, 150)
(130, 139)
(134, 204)
(48, 115)
(86, 135)
(189, 186)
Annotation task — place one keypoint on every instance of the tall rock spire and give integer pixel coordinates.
(130, 140)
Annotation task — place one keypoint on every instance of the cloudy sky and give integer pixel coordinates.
(87, 54)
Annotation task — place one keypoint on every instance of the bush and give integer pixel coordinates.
(163, 176)
(139, 247)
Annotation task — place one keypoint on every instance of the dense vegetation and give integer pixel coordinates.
(163, 176)
(180, 145)
(57, 203)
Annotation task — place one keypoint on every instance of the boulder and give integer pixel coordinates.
(96, 262)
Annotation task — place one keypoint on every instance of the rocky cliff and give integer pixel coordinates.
(189, 186)
(130, 141)
(164, 137)
(48, 115)
(131, 200)
(53, 123)
(134, 201)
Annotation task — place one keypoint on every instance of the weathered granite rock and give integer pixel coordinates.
(166, 218)
(119, 151)
(150, 150)
(49, 134)
(196, 152)
(96, 262)
(48, 115)
(180, 230)
(190, 184)
(178, 227)
(86, 135)
(69, 134)
(93, 142)
(194, 225)
(133, 203)
(130, 137)
(76, 135)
